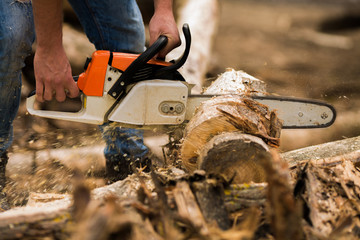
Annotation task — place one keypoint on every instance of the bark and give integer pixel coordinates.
(332, 196)
(243, 196)
(326, 153)
(209, 194)
(283, 210)
(188, 207)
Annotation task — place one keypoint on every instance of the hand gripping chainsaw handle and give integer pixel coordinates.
(94, 115)
(126, 78)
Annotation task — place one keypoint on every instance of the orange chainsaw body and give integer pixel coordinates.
(91, 82)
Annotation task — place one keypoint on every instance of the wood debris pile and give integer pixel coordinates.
(311, 200)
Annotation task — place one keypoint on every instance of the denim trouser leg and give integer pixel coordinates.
(16, 37)
(115, 25)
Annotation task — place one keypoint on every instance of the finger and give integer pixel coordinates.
(168, 48)
(162, 54)
(39, 91)
(48, 92)
(159, 58)
(60, 94)
(73, 90)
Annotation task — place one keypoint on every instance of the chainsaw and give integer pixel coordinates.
(138, 91)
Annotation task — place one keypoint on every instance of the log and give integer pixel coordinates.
(27, 222)
(203, 149)
(85, 159)
(198, 200)
(283, 211)
(324, 39)
(52, 171)
(329, 186)
(188, 207)
(242, 196)
(353, 157)
(236, 196)
(49, 215)
(331, 196)
(236, 82)
(111, 218)
(326, 153)
(221, 155)
(209, 194)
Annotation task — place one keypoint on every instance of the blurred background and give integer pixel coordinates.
(298, 48)
(305, 49)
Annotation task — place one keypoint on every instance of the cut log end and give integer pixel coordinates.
(236, 156)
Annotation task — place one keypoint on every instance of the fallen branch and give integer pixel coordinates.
(44, 217)
(326, 153)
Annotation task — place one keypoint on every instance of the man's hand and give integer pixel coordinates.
(53, 75)
(52, 68)
(163, 23)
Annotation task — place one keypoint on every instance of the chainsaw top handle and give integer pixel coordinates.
(125, 79)
(181, 60)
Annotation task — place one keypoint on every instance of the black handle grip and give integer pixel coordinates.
(137, 64)
(181, 60)
(32, 93)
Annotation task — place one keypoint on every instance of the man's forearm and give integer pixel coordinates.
(163, 23)
(48, 19)
(163, 5)
(51, 65)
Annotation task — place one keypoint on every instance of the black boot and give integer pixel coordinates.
(4, 205)
(118, 168)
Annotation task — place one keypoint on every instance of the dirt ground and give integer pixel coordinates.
(300, 49)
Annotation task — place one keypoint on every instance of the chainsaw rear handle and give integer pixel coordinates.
(80, 116)
(84, 115)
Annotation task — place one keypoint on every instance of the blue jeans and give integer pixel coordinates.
(114, 25)
(16, 38)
